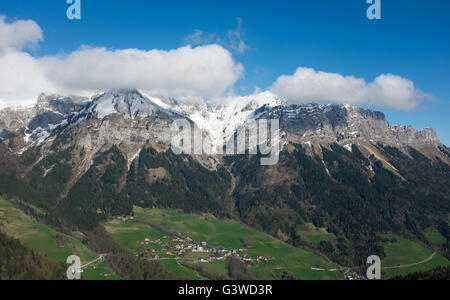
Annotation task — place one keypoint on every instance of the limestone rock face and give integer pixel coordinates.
(124, 118)
(343, 124)
(34, 122)
(129, 119)
(409, 136)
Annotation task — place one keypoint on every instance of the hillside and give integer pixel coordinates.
(404, 257)
(48, 243)
(17, 262)
(344, 176)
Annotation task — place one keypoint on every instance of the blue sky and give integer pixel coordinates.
(411, 41)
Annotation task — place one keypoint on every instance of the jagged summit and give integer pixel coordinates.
(128, 102)
(344, 124)
(301, 123)
(34, 122)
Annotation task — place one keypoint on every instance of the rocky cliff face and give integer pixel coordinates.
(28, 124)
(130, 119)
(345, 125)
(122, 118)
(12, 119)
(409, 136)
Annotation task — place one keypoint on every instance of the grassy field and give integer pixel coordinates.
(216, 267)
(435, 236)
(409, 257)
(174, 267)
(101, 271)
(227, 234)
(130, 233)
(316, 235)
(43, 239)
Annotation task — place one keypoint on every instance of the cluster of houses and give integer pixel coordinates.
(179, 246)
(264, 259)
(352, 275)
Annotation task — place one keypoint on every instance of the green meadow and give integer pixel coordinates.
(316, 235)
(217, 267)
(173, 266)
(101, 271)
(404, 257)
(130, 233)
(435, 236)
(227, 234)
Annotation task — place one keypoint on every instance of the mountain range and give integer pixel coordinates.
(341, 167)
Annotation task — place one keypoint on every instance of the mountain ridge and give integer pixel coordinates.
(341, 167)
(225, 117)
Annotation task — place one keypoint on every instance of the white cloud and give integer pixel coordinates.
(19, 34)
(205, 71)
(395, 92)
(187, 72)
(22, 78)
(234, 38)
(202, 71)
(309, 85)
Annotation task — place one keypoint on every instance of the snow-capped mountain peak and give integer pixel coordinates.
(218, 119)
(222, 117)
(128, 102)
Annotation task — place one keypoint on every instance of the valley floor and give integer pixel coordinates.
(196, 247)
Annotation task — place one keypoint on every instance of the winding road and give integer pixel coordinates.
(412, 265)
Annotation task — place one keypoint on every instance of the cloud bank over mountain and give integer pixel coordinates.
(202, 71)
(387, 90)
(208, 71)
(205, 71)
